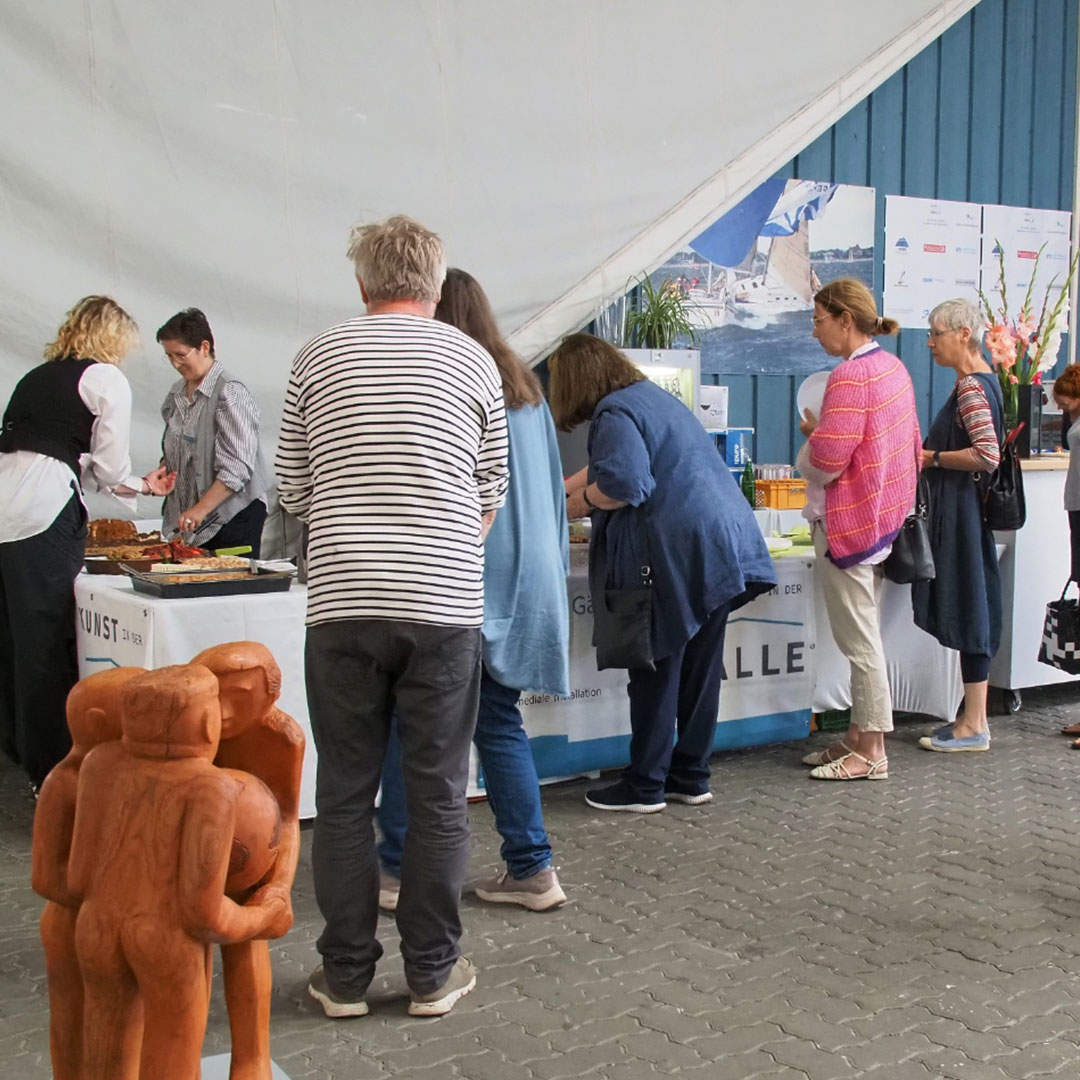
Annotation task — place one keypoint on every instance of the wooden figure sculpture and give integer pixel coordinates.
(93, 716)
(260, 739)
(154, 824)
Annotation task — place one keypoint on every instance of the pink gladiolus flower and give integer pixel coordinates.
(1025, 331)
(1013, 379)
(1037, 381)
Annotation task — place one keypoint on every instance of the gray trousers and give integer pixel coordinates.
(357, 671)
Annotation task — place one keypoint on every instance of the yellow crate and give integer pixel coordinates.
(780, 494)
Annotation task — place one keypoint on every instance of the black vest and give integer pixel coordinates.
(46, 415)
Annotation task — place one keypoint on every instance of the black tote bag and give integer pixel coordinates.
(1060, 645)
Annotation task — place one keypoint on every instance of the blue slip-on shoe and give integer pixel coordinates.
(949, 744)
(945, 732)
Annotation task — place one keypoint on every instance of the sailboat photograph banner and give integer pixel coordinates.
(750, 277)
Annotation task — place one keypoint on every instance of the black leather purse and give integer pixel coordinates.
(912, 558)
(622, 619)
(1002, 491)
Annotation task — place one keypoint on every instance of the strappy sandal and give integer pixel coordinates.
(1071, 730)
(837, 770)
(820, 757)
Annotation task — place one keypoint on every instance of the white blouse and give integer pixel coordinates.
(34, 488)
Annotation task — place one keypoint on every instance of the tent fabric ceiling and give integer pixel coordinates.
(216, 154)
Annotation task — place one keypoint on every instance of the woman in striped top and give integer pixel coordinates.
(860, 461)
(961, 607)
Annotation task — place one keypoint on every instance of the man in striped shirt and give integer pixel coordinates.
(393, 449)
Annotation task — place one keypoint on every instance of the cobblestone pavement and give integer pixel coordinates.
(921, 927)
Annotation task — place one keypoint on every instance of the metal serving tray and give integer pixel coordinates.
(195, 584)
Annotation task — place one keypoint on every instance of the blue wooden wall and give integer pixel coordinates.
(984, 114)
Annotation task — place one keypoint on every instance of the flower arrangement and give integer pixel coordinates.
(1023, 347)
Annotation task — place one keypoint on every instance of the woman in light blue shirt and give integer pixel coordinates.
(526, 628)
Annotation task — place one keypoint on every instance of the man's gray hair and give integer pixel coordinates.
(398, 259)
(956, 314)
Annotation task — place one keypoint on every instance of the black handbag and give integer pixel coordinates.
(622, 620)
(912, 558)
(1060, 645)
(1002, 491)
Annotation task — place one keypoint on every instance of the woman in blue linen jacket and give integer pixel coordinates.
(660, 496)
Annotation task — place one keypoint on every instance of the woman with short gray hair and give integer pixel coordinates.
(961, 607)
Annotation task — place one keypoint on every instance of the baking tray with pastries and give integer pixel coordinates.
(184, 582)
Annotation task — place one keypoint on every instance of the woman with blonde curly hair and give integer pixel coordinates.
(66, 426)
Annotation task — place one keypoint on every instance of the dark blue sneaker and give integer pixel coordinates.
(622, 797)
(687, 794)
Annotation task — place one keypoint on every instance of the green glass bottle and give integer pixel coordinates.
(748, 488)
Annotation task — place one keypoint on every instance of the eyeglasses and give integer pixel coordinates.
(173, 359)
(938, 333)
(815, 319)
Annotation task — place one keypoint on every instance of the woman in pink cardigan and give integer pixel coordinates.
(860, 461)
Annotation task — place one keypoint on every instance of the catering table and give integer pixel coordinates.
(780, 660)
(117, 627)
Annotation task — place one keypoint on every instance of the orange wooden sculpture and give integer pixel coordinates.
(93, 716)
(260, 739)
(154, 823)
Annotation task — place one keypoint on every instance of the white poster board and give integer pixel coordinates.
(932, 253)
(1018, 233)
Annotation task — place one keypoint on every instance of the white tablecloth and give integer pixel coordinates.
(118, 627)
(924, 677)
(780, 661)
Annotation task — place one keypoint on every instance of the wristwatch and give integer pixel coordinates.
(937, 459)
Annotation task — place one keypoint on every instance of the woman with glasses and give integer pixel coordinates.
(211, 442)
(860, 460)
(66, 429)
(961, 607)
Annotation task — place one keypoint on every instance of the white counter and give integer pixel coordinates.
(1035, 565)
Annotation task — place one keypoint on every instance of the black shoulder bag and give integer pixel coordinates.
(912, 558)
(1002, 491)
(622, 619)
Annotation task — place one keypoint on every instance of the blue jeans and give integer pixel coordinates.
(509, 774)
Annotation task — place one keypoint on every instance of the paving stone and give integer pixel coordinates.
(729, 944)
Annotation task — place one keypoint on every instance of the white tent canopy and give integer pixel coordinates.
(215, 153)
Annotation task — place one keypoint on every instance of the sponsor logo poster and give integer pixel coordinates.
(1019, 233)
(932, 253)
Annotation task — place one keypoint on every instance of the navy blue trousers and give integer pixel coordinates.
(673, 712)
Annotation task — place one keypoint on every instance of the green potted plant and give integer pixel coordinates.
(661, 316)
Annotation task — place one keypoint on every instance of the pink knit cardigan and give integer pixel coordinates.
(868, 438)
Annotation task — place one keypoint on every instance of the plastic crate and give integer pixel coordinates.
(787, 494)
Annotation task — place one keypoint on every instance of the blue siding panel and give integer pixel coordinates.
(851, 146)
(954, 105)
(816, 161)
(987, 101)
(920, 123)
(1048, 102)
(1017, 134)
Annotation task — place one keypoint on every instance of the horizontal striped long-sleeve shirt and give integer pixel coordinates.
(393, 445)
